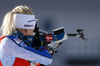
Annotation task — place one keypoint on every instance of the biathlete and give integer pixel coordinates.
(16, 42)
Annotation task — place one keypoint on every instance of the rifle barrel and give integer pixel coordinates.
(72, 35)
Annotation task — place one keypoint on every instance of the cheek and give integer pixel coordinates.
(31, 31)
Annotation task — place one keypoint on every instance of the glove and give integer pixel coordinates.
(43, 49)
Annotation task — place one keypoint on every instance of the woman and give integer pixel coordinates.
(17, 39)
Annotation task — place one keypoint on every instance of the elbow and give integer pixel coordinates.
(48, 62)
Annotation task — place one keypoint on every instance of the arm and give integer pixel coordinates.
(24, 53)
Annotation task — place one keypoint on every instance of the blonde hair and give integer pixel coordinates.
(8, 25)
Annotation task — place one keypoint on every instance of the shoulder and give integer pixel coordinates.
(9, 39)
(6, 41)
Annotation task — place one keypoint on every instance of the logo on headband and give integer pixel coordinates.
(28, 25)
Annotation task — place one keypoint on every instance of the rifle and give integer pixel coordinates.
(53, 40)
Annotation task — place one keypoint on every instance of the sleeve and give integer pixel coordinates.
(23, 53)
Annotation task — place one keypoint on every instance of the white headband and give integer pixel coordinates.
(24, 21)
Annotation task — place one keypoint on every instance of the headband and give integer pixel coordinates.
(24, 21)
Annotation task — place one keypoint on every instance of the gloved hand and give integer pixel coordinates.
(43, 49)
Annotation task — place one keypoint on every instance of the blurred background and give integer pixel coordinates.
(72, 15)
